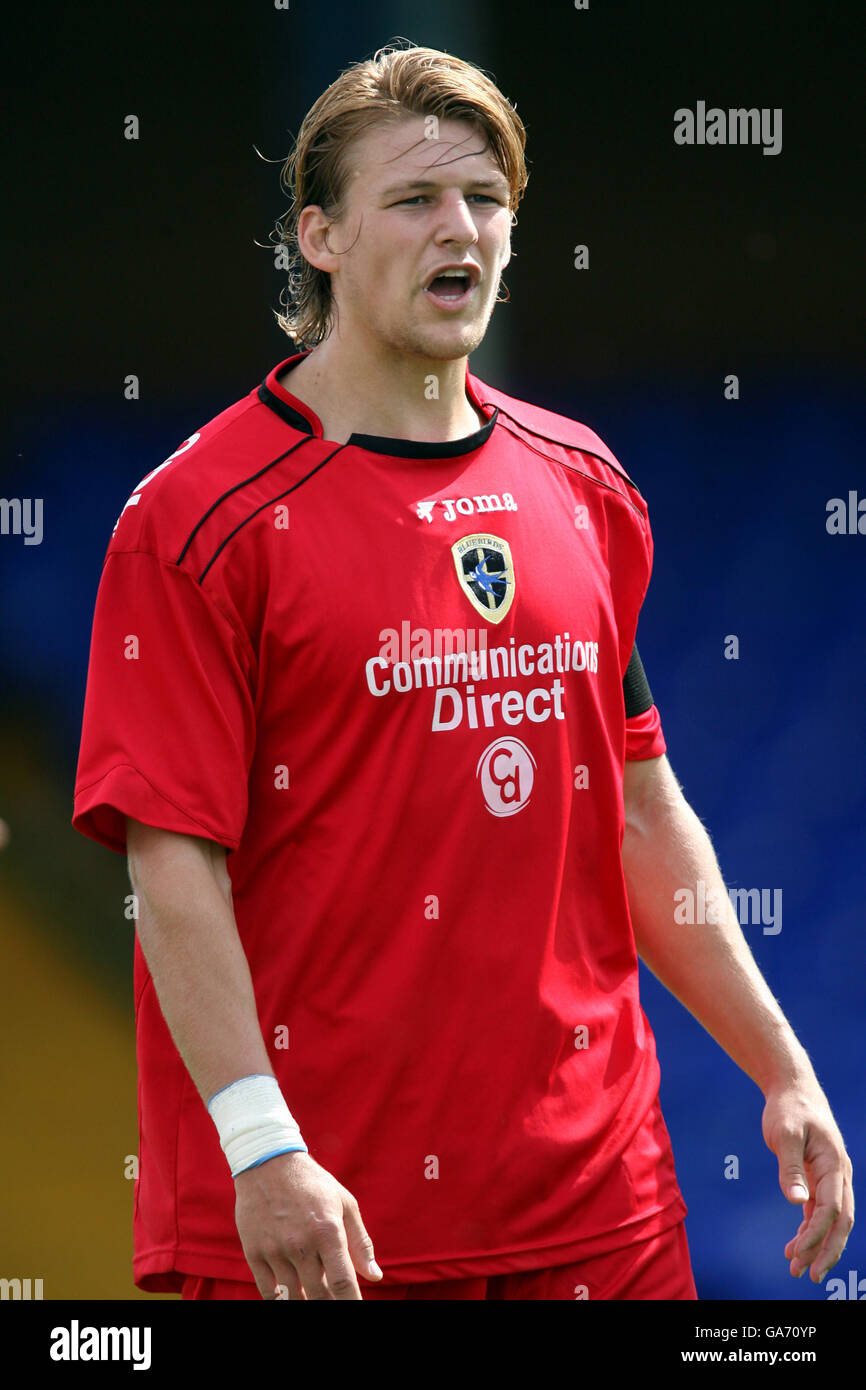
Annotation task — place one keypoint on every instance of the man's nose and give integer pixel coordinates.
(457, 222)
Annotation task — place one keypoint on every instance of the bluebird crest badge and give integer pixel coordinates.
(485, 570)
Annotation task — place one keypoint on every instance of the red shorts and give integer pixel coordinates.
(658, 1268)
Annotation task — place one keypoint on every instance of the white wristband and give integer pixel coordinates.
(253, 1122)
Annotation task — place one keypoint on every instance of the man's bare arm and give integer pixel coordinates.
(713, 973)
(300, 1229)
(189, 937)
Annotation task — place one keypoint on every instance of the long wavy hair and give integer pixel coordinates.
(395, 83)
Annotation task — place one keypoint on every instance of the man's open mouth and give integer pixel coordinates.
(452, 287)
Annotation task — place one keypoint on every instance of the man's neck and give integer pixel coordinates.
(395, 396)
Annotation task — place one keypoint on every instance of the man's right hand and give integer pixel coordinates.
(301, 1230)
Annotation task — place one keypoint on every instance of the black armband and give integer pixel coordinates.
(635, 687)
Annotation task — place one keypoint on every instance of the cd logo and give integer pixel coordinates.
(506, 771)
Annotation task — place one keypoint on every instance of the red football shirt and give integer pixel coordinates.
(387, 676)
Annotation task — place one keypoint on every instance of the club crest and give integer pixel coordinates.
(485, 570)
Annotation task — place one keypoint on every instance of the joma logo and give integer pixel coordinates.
(465, 506)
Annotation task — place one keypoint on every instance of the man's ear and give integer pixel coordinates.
(313, 238)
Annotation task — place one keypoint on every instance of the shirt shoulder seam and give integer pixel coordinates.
(573, 467)
(211, 595)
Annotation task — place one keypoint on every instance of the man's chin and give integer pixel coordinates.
(446, 343)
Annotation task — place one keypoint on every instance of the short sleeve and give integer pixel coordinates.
(169, 713)
(644, 737)
(643, 727)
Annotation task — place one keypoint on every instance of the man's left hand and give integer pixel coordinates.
(815, 1170)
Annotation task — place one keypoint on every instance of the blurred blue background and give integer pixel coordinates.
(141, 258)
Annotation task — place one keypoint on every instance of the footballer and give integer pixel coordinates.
(365, 712)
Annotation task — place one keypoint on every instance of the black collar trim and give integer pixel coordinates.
(381, 444)
(282, 408)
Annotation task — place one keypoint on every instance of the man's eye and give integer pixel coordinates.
(422, 198)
